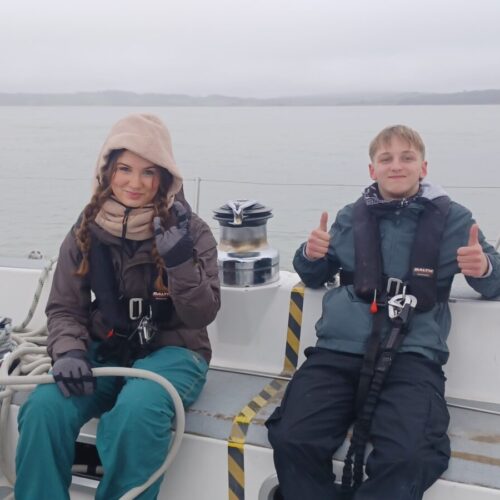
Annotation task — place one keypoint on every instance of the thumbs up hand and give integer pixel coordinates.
(319, 239)
(471, 259)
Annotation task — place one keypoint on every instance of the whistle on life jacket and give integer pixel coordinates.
(373, 305)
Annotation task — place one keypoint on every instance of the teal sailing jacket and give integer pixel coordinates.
(346, 321)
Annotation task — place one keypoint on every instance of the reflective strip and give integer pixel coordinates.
(236, 441)
(294, 328)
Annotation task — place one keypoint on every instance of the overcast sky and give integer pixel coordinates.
(260, 48)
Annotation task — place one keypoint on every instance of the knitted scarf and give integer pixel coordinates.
(126, 222)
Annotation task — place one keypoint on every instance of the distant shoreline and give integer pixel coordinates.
(122, 98)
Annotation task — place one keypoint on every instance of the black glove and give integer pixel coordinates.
(174, 245)
(73, 374)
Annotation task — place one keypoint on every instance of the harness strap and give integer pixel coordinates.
(369, 360)
(347, 278)
(352, 476)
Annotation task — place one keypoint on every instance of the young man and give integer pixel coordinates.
(401, 233)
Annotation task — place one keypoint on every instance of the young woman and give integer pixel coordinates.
(136, 285)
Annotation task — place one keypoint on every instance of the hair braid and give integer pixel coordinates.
(102, 192)
(82, 234)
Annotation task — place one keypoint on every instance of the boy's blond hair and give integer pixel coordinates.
(402, 132)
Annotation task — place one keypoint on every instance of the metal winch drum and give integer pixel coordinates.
(244, 255)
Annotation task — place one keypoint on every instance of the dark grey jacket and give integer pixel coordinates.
(193, 285)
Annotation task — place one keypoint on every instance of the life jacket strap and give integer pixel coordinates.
(391, 287)
(378, 361)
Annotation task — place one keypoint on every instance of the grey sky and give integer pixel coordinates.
(256, 48)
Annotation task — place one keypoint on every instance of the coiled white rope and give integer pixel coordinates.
(22, 381)
(32, 364)
(28, 348)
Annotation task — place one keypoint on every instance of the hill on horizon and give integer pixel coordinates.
(125, 98)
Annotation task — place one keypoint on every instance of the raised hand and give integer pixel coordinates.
(472, 261)
(175, 244)
(319, 239)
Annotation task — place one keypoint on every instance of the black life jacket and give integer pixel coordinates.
(421, 279)
(122, 314)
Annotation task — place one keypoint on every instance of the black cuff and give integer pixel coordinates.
(182, 252)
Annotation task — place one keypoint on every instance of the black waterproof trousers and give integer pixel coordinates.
(410, 446)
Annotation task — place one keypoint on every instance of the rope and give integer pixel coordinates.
(6, 343)
(36, 298)
(22, 381)
(28, 365)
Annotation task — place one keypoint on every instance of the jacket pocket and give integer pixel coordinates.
(345, 316)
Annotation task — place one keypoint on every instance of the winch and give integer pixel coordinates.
(244, 255)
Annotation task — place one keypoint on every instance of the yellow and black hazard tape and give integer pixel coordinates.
(236, 441)
(294, 328)
(239, 429)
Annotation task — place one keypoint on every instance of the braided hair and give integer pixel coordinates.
(101, 194)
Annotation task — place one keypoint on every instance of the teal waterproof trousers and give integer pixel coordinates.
(133, 434)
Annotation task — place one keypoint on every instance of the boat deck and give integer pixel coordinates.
(474, 427)
(474, 433)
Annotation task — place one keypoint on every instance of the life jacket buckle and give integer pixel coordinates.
(394, 286)
(146, 330)
(135, 308)
(399, 303)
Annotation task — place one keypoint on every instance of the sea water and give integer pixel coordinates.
(298, 160)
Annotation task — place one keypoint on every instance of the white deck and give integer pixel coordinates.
(250, 335)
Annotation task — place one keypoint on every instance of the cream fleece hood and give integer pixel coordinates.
(147, 136)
